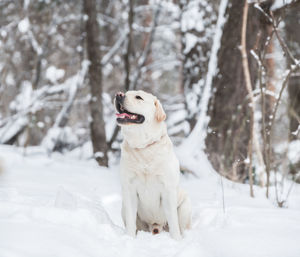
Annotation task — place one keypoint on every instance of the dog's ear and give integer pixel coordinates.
(160, 114)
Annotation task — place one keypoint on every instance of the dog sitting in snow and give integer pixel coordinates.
(152, 199)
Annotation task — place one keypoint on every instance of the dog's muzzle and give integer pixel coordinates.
(123, 115)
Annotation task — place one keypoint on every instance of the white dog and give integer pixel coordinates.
(152, 199)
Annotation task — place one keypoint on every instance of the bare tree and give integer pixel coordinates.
(97, 125)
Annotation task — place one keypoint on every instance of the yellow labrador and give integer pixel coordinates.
(152, 199)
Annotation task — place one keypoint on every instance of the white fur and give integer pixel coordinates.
(150, 172)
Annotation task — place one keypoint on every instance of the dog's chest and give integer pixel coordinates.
(147, 183)
(145, 162)
(149, 191)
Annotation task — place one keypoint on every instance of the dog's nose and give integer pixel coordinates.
(155, 231)
(120, 96)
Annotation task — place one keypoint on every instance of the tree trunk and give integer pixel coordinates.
(292, 28)
(97, 125)
(229, 126)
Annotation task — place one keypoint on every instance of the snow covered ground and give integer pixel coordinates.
(66, 206)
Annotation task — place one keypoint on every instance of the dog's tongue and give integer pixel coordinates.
(123, 115)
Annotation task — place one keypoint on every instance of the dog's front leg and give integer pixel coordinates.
(130, 210)
(169, 202)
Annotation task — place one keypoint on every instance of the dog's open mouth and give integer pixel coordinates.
(124, 116)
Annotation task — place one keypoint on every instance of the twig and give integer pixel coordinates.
(281, 42)
(271, 19)
(263, 109)
(276, 189)
(290, 190)
(110, 54)
(223, 194)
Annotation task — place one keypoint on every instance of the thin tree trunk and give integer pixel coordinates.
(129, 45)
(250, 91)
(97, 125)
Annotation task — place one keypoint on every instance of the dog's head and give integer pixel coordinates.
(137, 108)
(141, 117)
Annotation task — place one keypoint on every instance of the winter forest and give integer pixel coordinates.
(227, 73)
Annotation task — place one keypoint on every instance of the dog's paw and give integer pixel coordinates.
(176, 236)
(131, 232)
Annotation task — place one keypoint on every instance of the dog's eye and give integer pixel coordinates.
(138, 97)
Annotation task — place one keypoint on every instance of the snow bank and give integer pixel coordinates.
(68, 206)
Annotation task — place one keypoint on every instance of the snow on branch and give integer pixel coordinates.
(108, 56)
(74, 83)
(12, 128)
(57, 131)
(27, 102)
(197, 136)
(279, 4)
